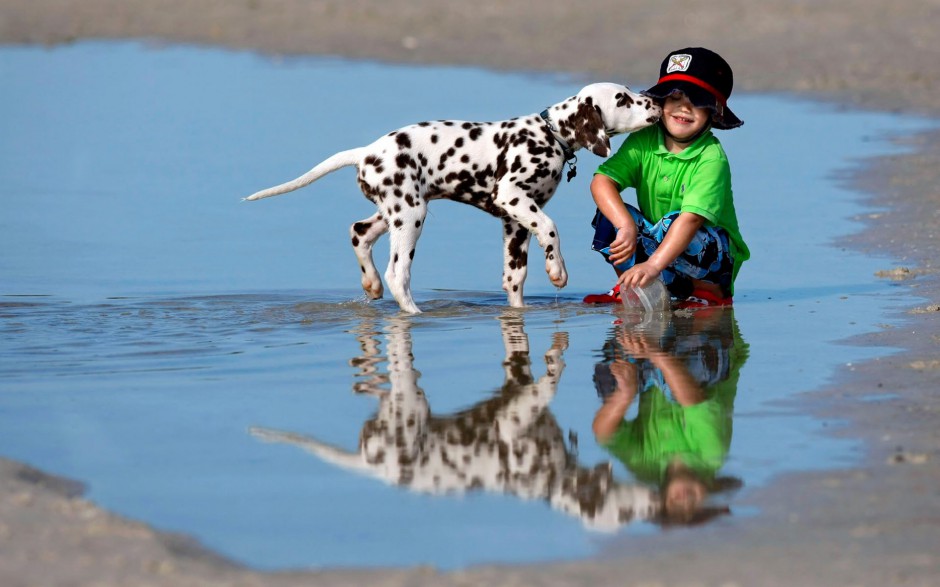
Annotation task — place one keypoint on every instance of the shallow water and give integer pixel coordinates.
(162, 341)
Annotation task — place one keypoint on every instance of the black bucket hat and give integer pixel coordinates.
(704, 77)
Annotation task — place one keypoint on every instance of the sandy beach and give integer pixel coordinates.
(874, 524)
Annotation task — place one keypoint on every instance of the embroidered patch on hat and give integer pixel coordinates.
(679, 62)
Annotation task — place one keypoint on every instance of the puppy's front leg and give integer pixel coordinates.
(515, 260)
(521, 208)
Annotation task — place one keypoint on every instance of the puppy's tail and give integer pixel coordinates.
(341, 159)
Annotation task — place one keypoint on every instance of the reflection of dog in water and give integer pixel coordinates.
(509, 443)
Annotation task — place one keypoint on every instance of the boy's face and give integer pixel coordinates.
(683, 497)
(681, 118)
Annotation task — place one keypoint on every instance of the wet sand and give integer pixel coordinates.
(874, 524)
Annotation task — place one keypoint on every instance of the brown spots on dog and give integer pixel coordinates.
(501, 168)
(623, 99)
(374, 161)
(516, 247)
(588, 128)
(374, 195)
(403, 140)
(475, 133)
(404, 160)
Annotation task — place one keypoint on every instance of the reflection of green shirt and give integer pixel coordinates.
(697, 180)
(663, 431)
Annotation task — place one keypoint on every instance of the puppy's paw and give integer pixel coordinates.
(557, 273)
(373, 288)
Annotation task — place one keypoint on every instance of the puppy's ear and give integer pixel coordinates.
(589, 129)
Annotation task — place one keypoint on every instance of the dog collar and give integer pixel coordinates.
(566, 149)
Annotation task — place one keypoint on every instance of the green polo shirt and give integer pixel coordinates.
(697, 180)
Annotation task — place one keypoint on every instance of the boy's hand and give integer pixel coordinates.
(640, 275)
(624, 243)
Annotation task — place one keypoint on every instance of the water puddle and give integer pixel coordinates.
(210, 367)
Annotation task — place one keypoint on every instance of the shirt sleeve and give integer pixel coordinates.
(707, 432)
(709, 190)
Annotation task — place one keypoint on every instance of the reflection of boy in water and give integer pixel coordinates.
(686, 381)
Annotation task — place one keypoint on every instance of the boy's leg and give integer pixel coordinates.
(604, 234)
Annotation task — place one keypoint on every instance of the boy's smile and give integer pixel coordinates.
(682, 120)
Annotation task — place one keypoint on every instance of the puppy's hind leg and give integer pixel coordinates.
(404, 231)
(364, 234)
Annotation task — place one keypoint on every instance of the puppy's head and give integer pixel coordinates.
(606, 109)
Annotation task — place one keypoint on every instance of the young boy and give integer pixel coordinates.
(685, 229)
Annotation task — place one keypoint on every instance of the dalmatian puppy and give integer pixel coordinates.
(509, 169)
(509, 443)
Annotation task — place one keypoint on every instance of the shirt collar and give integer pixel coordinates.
(690, 152)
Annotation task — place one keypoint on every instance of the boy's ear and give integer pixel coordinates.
(589, 131)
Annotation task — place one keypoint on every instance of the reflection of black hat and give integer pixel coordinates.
(704, 77)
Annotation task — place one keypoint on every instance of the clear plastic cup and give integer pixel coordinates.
(650, 299)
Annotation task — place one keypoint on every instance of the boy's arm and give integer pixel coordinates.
(611, 413)
(607, 197)
(676, 241)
